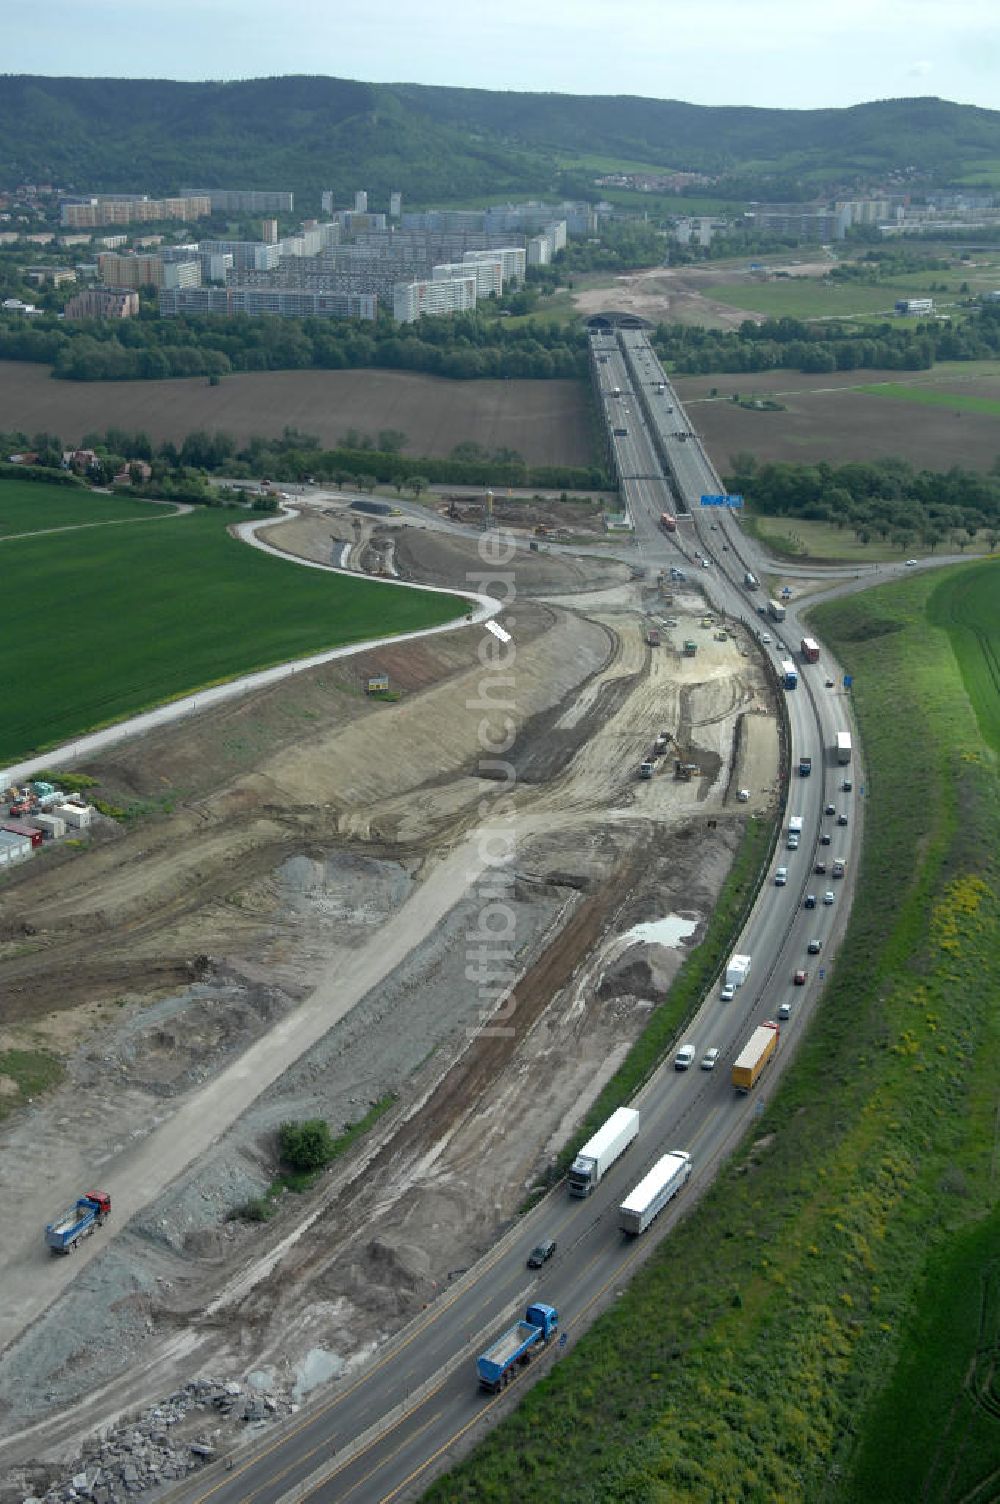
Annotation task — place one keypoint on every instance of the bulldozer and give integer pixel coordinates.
(685, 771)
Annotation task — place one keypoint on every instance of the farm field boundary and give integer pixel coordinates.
(745, 1357)
(115, 620)
(925, 394)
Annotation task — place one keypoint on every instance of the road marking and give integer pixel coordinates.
(491, 626)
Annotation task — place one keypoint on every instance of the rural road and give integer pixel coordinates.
(483, 607)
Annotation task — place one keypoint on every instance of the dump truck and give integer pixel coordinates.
(600, 1152)
(647, 768)
(690, 649)
(752, 1059)
(843, 746)
(653, 637)
(668, 522)
(651, 1195)
(516, 1348)
(805, 766)
(776, 610)
(84, 1217)
(662, 743)
(809, 648)
(737, 971)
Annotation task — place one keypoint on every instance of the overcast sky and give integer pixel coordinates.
(790, 53)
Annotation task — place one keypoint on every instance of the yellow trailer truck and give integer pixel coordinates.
(759, 1049)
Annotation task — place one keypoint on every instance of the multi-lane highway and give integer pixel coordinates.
(380, 1436)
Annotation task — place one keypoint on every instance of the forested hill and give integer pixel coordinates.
(440, 144)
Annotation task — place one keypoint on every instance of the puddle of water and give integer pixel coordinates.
(316, 1368)
(669, 931)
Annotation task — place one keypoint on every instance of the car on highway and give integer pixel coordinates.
(781, 877)
(685, 1057)
(541, 1253)
(765, 637)
(785, 1011)
(800, 977)
(820, 867)
(829, 683)
(810, 901)
(829, 809)
(709, 1059)
(828, 897)
(825, 838)
(841, 819)
(728, 993)
(846, 786)
(814, 947)
(911, 563)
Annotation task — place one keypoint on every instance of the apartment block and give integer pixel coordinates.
(248, 255)
(513, 260)
(147, 271)
(489, 275)
(245, 200)
(412, 300)
(100, 210)
(278, 302)
(103, 303)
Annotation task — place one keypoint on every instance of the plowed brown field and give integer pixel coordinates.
(545, 421)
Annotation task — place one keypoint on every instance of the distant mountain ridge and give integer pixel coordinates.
(308, 133)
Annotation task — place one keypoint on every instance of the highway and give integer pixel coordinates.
(382, 1435)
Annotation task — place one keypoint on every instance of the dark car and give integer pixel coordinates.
(841, 819)
(541, 1254)
(800, 978)
(847, 786)
(810, 902)
(830, 809)
(820, 867)
(814, 947)
(825, 838)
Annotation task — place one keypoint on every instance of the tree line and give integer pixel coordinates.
(181, 471)
(464, 347)
(792, 344)
(886, 499)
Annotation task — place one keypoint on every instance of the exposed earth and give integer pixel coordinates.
(285, 934)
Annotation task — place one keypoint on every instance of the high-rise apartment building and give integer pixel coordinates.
(412, 300)
(246, 200)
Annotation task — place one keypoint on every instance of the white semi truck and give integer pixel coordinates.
(600, 1152)
(653, 1192)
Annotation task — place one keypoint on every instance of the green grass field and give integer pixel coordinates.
(815, 298)
(957, 402)
(114, 620)
(802, 539)
(761, 1353)
(28, 507)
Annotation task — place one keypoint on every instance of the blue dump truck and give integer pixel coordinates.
(516, 1348)
(87, 1214)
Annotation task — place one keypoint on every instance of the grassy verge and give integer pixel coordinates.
(802, 539)
(742, 1361)
(115, 620)
(23, 1074)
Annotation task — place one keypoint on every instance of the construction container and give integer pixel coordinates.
(15, 828)
(51, 826)
(80, 816)
(13, 848)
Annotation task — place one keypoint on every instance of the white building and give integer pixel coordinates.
(395, 205)
(361, 202)
(914, 307)
(489, 274)
(412, 300)
(513, 261)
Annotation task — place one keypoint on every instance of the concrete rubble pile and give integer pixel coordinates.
(158, 1447)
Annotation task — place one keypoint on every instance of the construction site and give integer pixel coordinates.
(282, 933)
